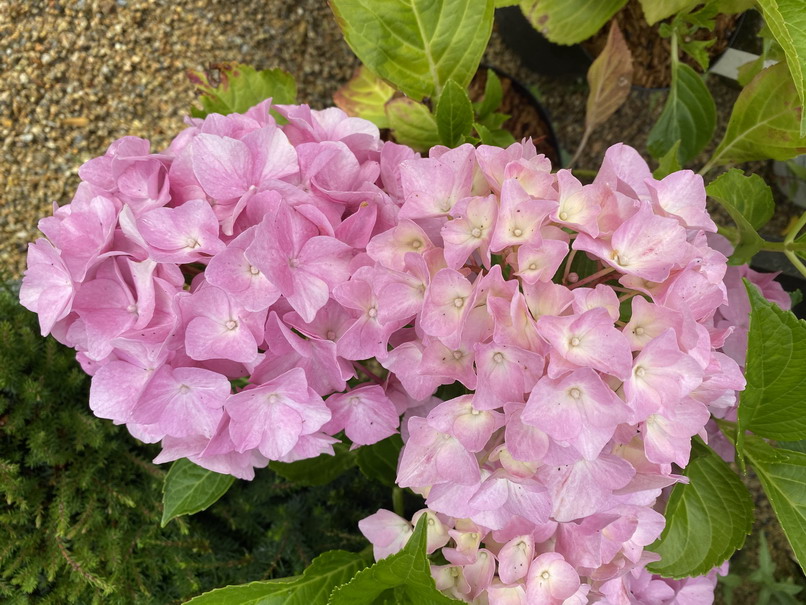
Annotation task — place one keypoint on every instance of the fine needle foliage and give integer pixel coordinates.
(80, 500)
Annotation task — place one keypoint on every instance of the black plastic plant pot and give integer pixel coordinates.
(789, 277)
(528, 118)
(544, 57)
(534, 50)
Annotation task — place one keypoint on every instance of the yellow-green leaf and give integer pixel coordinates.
(569, 21)
(668, 163)
(787, 22)
(655, 10)
(240, 87)
(327, 571)
(365, 96)
(417, 45)
(765, 121)
(748, 200)
(412, 124)
(403, 575)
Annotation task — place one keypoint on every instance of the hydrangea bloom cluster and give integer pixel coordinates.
(226, 293)
(580, 391)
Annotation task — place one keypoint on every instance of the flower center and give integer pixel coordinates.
(517, 232)
(563, 216)
(254, 270)
(575, 393)
(416, 244)
(476, 232)
(457, 354)
(639, 331)
(498, 358)
(293, 263)
(230, 324)
(640, 371)
(574, 342)
(372, 312)
(458, 302)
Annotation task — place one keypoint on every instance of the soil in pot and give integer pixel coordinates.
(650, 52)
(528, 119)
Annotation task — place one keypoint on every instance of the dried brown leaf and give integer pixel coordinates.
(609, 78)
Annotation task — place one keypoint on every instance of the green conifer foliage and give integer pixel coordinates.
(80, 501)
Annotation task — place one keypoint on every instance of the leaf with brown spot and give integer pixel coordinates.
(609, 78)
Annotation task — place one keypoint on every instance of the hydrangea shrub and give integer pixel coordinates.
(258, 291)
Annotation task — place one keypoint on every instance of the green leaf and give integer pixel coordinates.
(773, 403)
(748, 200)
(787, 22)
(749, 194)
(327, 571)
(317, 471)
(454, 115)
(698, 50)
(706, 520)
(668, 163)
(379, 460)
(494, 121)
(784, 482)
(569, 21)
(189, 488)
(365, 96)
(656, 10)
(493, 95)
(765, 121)
(689, 116)
(404, 575)
(417, 45)
(730, 7)
(795, 446)
(412, 124)
(241, 87)
(498, 136)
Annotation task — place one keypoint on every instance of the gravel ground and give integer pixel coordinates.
(76, 75)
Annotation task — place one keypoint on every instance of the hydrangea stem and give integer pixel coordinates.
(790, 239)
(368, 373)
(592, 278)
(398, 506)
